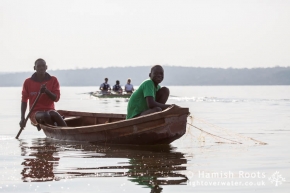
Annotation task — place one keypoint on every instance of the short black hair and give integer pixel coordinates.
(39, 59)
(155, 66)
(117, 81)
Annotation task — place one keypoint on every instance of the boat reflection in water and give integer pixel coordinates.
(39, 161)
(150, 166)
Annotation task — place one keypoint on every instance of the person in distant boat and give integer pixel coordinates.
(105, 87)
(49, 88)
(129, 87)
(149, 97)
(117, 87)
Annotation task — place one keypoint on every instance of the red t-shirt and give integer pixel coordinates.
(31, 88)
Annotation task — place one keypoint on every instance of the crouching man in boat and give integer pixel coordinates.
(105, 87)
(117, 87)
(149, 97)
(48, 86)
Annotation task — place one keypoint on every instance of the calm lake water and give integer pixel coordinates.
(197, 162)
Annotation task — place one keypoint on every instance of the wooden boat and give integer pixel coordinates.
(110, 94)
(156, 128)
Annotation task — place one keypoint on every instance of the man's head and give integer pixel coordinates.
(106, 80)
(40, 66)
(129, 81)
(117, 82)
(157, 74)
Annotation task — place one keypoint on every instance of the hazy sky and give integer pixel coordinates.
(71, 34)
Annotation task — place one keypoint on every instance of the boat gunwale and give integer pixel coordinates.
(125, 123)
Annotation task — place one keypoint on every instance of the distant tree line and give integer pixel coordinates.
(174, 75)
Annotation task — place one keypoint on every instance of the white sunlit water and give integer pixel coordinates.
(194, 163)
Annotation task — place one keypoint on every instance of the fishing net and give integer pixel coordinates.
(205, 132)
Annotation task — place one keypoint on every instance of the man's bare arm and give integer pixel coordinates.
(151, 103)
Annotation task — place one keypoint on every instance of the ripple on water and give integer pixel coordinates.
(3, 137)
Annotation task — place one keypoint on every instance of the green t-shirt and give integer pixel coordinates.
(137, 102)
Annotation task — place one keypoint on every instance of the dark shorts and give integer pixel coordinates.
(33, 118)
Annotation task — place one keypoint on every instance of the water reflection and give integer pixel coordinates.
(40, 163)
(149, 166)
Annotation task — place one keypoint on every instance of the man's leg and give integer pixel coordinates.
(43, 117)
(162, 95)
(50, 117)
(55, 116)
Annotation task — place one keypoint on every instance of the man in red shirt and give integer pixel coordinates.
(43, 111)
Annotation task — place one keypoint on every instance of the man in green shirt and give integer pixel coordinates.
(149, 97)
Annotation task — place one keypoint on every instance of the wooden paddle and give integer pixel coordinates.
(28, 115)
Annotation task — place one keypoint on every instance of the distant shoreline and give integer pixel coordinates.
(174, 75)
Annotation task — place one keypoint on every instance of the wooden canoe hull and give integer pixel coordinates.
(157, 128)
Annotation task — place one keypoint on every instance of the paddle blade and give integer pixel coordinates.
(21, 128)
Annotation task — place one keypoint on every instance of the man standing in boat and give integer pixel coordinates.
(105, 87)
(48, 86)
(129, 87)
(149, 97)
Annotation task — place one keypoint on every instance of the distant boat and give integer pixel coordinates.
(100, 94)
(157, 128)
